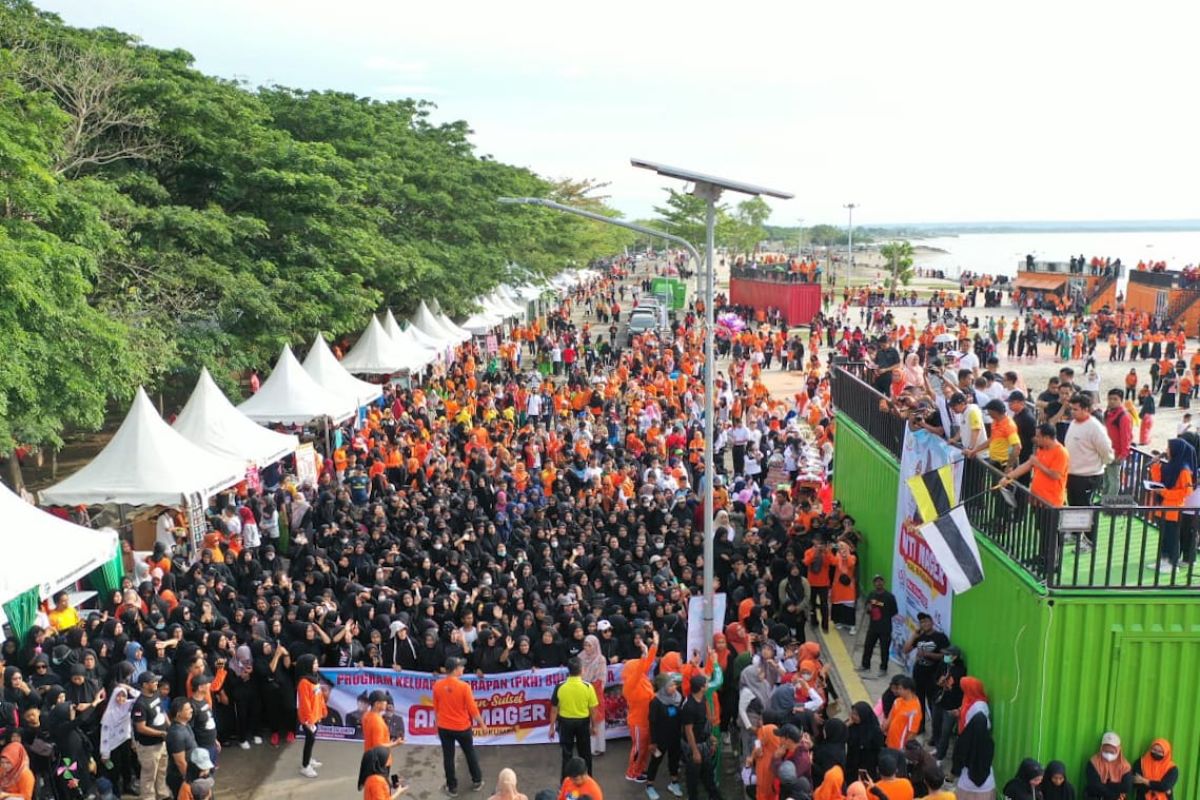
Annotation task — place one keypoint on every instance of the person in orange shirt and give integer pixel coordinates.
(375, 727)
(373, 776)
(638, 692)
(578, 783)
(819, 561)
(1176, 475)
(455, 710)
(1049, 465)
(311, 709)
(904, 720)
(892, 786)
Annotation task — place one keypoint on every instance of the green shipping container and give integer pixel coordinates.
(1060, 667)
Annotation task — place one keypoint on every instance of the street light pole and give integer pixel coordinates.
(800, 240)
(709, 188)
(850, 242)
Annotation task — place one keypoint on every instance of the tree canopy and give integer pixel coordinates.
(155, 220)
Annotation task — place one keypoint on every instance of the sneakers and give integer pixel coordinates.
(258, 740)
(244, 745)
(1083, 545)
(274, 740)
(312, 762)
(652, 793)
(882, 673)
(308, 771)
(449, 791)
(674, 788)
(476, 786)
(291, 737)
(640, 778)
(862, 669)
(854, 630)
(1166, 567)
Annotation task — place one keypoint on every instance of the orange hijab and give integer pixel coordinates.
(1111, 771)
(831, 786)
(1155, 770)
(764, 767)
(19, 760)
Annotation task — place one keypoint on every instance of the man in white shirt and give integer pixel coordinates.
(739, 436)
(1090, 451)
(968, 359)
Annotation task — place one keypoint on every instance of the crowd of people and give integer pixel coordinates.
(497, 518)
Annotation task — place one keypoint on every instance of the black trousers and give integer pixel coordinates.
(704, 773)
(739, 458)
(819, 597)
(672, 755)
(883, 638)
(467, 742)
(575, 738)
(310, 738)
(1080, 489)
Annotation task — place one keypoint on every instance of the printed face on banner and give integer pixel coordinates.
(515, 706)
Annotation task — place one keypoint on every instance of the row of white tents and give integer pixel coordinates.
(212, 443)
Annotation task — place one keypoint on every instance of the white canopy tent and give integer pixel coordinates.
(328, 372)
(417, 355)
(210, 421)
(483, 321)
(292, 397)
(42, 550)
(429, 322)
(504, 295)
(375, 352)
(147, 462)
(449, 325)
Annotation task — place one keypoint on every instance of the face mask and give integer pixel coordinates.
(1158, 756)
(1109, 756)
(806, 676)
(554, 542)
(948, 659)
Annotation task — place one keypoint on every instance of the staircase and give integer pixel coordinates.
(1178, 308)
(1101, 287)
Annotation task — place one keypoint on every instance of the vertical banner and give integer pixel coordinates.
(306, 464)
(918, 581)
(695, 624)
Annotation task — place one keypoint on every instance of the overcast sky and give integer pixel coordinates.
(930, 111)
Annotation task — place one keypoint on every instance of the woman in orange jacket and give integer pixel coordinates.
(638, 692)
(311, 708)
(1176, 476)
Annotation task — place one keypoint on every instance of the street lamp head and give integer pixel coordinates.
(707, 184)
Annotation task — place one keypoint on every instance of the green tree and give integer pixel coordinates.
(748, 225)
(899, 258)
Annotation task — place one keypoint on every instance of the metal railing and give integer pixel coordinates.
(1114, 544)
(860, 402)
(773, 274)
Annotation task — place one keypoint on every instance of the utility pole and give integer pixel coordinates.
(850, 242)
(800, 240)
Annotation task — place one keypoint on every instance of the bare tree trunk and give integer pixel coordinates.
(54, 464)
(16, 481)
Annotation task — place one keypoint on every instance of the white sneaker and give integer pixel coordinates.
(312, 762)
(675, 789)
(1166, 567)
(308, 771)
(854, 630)
(244, 745)
(652, 793)
(258, 740)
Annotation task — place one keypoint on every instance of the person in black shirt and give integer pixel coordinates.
(180, 743)
(149, 723)
(204, 724)
(698, 743)
(929, 646)
(948, 702)
(886, 360)
(881, 608)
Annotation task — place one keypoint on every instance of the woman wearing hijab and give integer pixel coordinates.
(16, 776)
(311, 709)
(1055, 785)
(864, 741)
(830, 787)
(1155, 774)
(975, 749)
(762, 760)
(830, 752)
(239, 687)
(754, 695)
(71, 743)
(373, 776)
(1109, 775)
(1177, 477)
(595, 671)
(506, 786)
(1026, 785)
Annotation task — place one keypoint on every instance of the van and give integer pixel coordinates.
(642, 320)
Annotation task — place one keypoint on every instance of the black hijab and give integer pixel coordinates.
(1064, 792)
(374, 762)
(1020, 788)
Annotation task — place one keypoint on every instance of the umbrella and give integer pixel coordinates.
(942, 338)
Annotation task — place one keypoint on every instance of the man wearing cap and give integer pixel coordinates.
(572, 706)
(375, 727)
(881, 609)
(947, 703)
(204, 723)
(149, 722)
